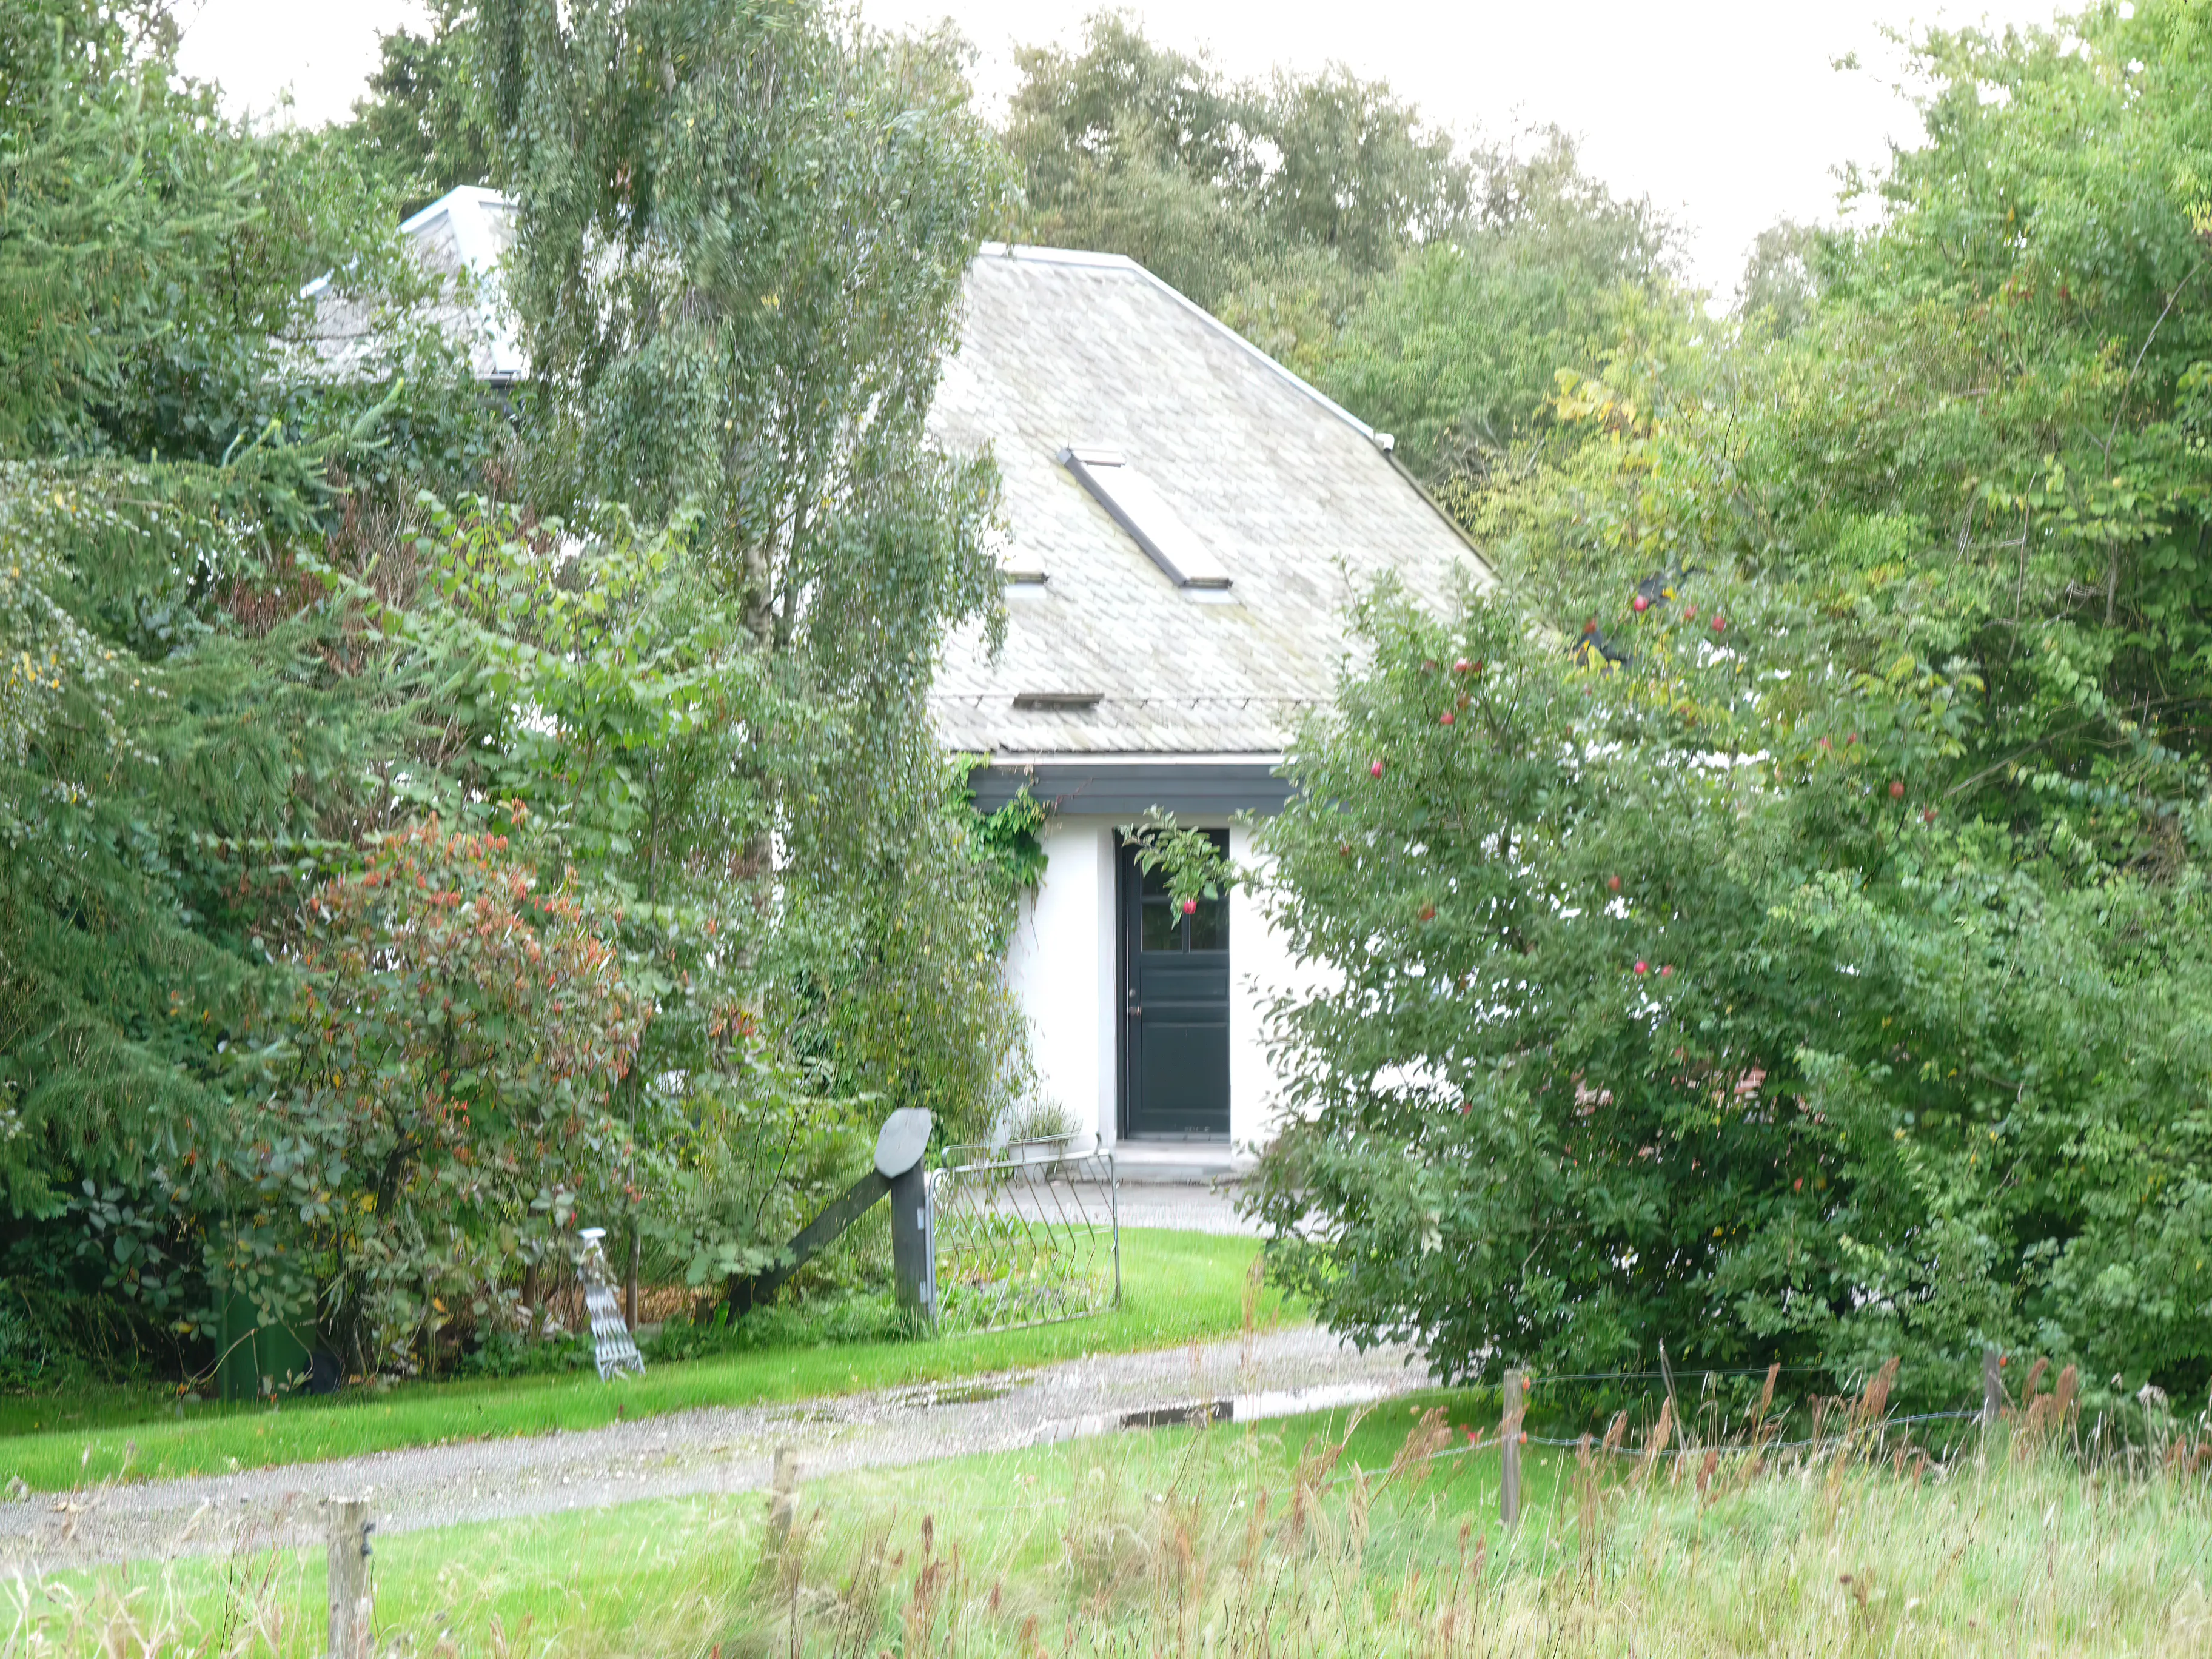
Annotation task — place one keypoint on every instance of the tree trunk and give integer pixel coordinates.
(630, 1279)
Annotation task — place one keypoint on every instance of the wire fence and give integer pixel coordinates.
(1698, 1449)
(1026, 1235)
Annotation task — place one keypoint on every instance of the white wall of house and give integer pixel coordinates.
(1062, 967)
(1260, 968)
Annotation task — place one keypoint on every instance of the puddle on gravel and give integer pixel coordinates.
(1232, 1408)
(1254, 1407)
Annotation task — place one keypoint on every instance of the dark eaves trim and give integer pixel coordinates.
(1131, 786)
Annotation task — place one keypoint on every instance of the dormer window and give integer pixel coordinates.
(1141, 509)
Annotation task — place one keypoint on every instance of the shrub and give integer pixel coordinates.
(443, 1104)
(1659, 1008)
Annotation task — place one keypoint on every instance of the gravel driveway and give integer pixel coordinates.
(712, 1451)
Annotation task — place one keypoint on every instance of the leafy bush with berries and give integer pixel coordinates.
(1782, 931)
(445, 1103)
(1658, 1013)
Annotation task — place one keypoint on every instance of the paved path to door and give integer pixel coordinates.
(700, 1451)
(1184, 1209)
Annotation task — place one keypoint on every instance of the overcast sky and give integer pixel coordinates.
(1727, 112)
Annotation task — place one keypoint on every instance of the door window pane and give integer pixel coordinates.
(1160, 928)
(1160, 923)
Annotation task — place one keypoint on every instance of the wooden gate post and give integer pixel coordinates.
(913, 1250)
(1509, 1448)
(1992, 1388)
(899, 1160)
(353, 1604)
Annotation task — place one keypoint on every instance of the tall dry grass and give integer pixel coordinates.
(1378, 1537)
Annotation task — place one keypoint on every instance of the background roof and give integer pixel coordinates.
(459, 240)
(1294, 494)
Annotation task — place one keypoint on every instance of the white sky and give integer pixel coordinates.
(1725, 113)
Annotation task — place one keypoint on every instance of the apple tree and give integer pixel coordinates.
(1780, 930)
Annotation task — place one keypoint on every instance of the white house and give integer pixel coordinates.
(1189, 521)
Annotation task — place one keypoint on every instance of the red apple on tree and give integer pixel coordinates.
(1376, 769)
(1640, 604)
(1190, 907)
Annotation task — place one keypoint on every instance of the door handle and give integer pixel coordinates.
(1135, 1008)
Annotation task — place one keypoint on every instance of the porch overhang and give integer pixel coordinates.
(1190, 786)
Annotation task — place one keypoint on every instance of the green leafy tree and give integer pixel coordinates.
(1130, 148)
(152, 253)
(709, 328)
(1456, 352)
(1782, 275)
(191, 730)
(1224, 189)
(423, 125)
(1867, 664)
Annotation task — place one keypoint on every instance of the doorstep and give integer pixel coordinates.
(1178, 1162)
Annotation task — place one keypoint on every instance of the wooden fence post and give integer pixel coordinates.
(783, 1499)
(1509, 1448)
(1992, 1388)
(352, 1603)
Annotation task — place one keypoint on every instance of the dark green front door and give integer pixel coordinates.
(1175, 1009)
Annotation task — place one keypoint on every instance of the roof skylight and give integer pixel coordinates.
(1142, 511)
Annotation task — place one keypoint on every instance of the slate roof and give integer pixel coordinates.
(1297, 497)
(458, 240)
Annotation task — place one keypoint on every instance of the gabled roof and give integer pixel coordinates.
(1298, 501)
(458, 240)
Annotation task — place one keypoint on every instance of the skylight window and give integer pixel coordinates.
(1142, 511)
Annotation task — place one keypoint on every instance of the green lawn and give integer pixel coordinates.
(1288, 1538)
(1176, 1288)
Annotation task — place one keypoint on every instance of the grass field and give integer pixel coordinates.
(1295, 1538)
(1177, 1287)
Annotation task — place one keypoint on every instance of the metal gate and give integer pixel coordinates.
(1026, 1234)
